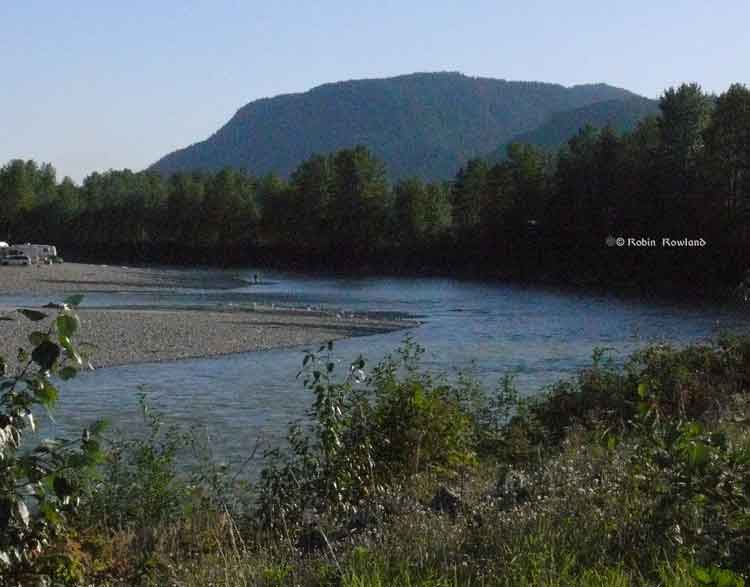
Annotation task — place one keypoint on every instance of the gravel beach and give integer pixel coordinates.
(78, 277)
(124, 336)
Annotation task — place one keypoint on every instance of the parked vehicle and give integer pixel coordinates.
(15, 260)
(37, 253)
(10, 251)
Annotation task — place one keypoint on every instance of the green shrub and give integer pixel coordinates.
(365, 433)
(140, 486)
(627, 475)
(40, 484)
(418, 423)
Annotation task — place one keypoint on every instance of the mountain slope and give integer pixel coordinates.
(622, 115)
(424, 124)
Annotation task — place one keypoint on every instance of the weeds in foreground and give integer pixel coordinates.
(632, 475)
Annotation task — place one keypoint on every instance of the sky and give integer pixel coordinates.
(96, 85)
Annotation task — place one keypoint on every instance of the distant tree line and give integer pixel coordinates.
(682, 174)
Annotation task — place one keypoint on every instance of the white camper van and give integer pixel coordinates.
(37, 253)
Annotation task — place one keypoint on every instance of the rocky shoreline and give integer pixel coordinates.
(117, 336)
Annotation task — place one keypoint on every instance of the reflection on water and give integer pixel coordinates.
(541, 334)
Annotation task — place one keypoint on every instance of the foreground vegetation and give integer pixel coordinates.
(680, 175)
(634, 474)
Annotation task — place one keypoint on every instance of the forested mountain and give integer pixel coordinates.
(425, 124)
(680, 176)
(621, 115)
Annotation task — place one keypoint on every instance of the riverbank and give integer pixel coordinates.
(712, 273)
(82, 277)
(630, 476)
(117, 336)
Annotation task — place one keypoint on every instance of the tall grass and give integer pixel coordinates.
(632, 475)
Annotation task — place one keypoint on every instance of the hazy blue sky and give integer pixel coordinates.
(96, 85)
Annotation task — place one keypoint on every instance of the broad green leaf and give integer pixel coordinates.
(47, 394)
(67, 324)
(702, 575)
(725, 578)
(36, 338)
(33, 315)
(46, 354)
(698, 454)
(68, 373)
(74, 300)
(692, 429)
(68, 346)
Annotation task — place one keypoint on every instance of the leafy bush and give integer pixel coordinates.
(140, 485)
(39, 484)
(365, 433)
(419, 422)
(631, 475)
(662, 383)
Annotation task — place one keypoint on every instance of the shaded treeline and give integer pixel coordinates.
(681, 175)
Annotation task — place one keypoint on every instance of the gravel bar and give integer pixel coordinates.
(79, 277)
(120, 336)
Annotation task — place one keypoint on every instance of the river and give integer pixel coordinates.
(540, 334)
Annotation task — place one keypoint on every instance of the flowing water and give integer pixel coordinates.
(539, 334)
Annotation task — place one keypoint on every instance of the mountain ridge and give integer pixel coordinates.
(621, 115)
(424, 124)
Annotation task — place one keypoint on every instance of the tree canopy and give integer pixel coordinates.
(683, 172)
